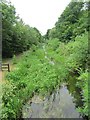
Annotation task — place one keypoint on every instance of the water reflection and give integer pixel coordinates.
(59, 105)
(75, 91)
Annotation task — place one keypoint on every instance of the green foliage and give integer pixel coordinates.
(72, 58)
(30, 76)
(17, 37)
(72, 55)
(72, 22)
(14, 59)
(83, 83)
(34, 73)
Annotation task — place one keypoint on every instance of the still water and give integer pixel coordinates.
(60, 104)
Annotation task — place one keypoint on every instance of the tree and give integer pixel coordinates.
(72, 22)
(8, 21)
(17, 36)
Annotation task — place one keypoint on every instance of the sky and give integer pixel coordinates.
(42, 14)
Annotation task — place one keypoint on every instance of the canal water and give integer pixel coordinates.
(61, 103)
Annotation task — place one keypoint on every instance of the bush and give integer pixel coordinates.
(83, 83)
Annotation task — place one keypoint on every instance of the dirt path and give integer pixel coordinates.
(12, 66)
(10, 61)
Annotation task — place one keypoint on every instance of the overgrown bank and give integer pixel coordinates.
(34, 74)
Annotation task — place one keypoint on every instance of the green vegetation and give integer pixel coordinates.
(73, 58)
(16, 36)
(72, 22)
(84, 83)
(34, 73)
(14, 59)
(66, 46)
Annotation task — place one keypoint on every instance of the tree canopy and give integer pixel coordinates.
(16, 35)
(72, 22)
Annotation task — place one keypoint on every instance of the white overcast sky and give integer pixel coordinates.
(41, 14)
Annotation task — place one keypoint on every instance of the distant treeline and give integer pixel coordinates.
(72, 22)
(16, 36)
